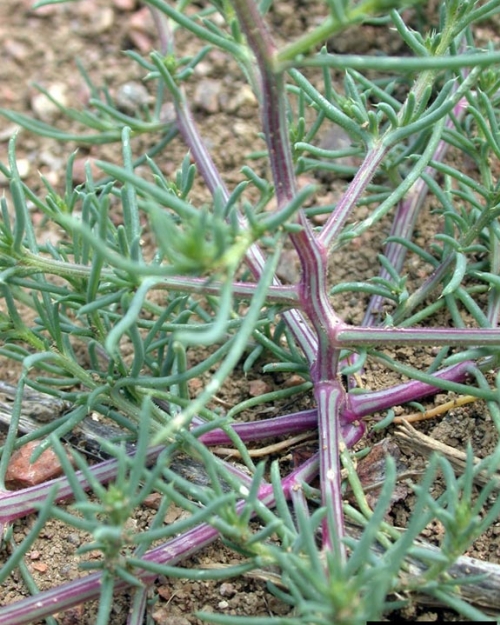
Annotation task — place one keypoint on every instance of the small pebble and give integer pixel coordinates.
(256, 388)
(227, 590)
(244, 98)
(44, 108)
(74, 539)
(244, 130)
(79, 169)
(16, 50)
(125, 5)
(140, 29)
(164, 591)
(163, 616)
(41, 567)
(167, 113)
(103, 20)
(294, 380)
(288, 269)
(23, 167)
(132, 97)
(153, 501)
(206, 95)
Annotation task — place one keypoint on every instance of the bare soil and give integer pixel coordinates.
(41, 47)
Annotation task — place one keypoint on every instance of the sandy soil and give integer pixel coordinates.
(41, 48)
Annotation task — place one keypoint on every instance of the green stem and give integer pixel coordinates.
(356, 336)
(332, 25)
(398, 64)
(32, 263)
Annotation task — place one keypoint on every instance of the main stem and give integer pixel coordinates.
(312, 289)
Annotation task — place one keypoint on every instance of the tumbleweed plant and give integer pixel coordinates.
(123, 333)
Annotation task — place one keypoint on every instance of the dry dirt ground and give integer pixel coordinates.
(41, 47)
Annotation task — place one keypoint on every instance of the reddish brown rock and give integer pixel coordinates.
(256, 388)
(23, 474)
